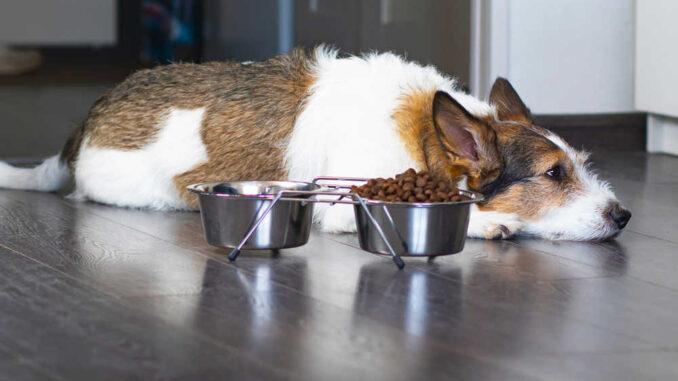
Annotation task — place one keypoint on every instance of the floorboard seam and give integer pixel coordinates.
(441, 276)
(654, 237)
(607, 353)
(602, 277)
(15, 251)
(33, 365)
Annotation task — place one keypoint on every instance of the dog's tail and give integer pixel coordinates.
(51, 175)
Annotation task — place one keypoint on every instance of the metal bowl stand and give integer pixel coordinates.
(286, 195)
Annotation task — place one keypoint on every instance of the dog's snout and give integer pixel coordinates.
(618, 215)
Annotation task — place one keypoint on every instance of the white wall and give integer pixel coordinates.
(563, 56)
(62, 22)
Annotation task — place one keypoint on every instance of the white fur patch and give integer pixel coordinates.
(347, 129)
(144, 177)
(490, 224)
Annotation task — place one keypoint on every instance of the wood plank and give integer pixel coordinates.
(636, 166)
(80, 334)
(17, 368)
(632, 255)
(632, 366)
(19, 219)
(653, 207)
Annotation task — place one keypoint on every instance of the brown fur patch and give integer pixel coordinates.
(416, 128)
(250, 111)
(246, 129)
(415, 124)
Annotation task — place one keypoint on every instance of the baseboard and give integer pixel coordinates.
(662, 134)
(619, 132)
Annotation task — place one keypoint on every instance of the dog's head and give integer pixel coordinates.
(526, 170)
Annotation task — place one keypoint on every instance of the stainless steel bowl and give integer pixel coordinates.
(230, 209)
(415, 229)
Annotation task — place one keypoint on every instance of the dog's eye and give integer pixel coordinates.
(555, 173)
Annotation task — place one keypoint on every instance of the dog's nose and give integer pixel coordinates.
(618, 215)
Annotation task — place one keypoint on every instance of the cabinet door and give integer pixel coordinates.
(429, 31)
(657, 57)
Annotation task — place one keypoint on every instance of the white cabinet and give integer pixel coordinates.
(656, 74)
(563, 56)
(657, 56)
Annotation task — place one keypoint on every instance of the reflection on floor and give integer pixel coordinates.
(88, 291)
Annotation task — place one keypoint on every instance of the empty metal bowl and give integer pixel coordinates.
(415, 229)
(230, 209)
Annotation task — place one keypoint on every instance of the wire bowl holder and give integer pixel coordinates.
(397, 245)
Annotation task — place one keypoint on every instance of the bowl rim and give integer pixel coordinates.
(476, 198)
(198, 188)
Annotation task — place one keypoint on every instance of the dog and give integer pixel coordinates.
(312, 113)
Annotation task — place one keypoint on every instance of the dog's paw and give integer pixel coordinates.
(502, 231)
(338, 219)
(492, 225)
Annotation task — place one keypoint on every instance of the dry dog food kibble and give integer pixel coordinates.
(409, 186)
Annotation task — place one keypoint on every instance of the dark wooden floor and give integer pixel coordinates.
(93, 292)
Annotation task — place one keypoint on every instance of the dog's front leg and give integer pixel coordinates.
(493, 225)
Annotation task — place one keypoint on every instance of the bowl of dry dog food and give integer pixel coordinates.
(419, 215)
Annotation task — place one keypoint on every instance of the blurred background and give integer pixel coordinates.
(596, 71)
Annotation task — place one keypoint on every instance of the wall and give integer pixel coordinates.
(63, 22)
(573, 56)
(37, 119)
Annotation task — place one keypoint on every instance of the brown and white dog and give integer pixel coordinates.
(312, 113)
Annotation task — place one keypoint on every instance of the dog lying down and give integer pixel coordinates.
(308, 114)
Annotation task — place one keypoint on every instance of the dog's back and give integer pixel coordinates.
(164, 128)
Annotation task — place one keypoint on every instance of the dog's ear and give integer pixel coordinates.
(459, 131)
(471, 142)
(509, 105)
